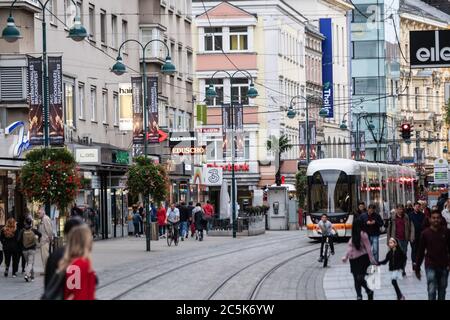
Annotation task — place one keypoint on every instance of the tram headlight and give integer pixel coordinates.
(342, 220)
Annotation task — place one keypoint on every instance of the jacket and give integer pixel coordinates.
(354, 253)
(137, 218)
(36, 232)
(396, 259)
(446, 216)
(374, 229)
(46, 229)
(161, 216)
(10, 244)
(409, 228)
(197, 214)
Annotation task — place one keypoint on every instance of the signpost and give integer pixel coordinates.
(441, 171)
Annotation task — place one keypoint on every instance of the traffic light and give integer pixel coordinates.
(406, 131)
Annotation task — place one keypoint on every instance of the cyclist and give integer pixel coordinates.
(326, 230)
(173, 219)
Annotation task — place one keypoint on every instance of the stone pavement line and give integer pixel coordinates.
(338, 281)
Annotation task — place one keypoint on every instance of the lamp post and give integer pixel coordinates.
(291, 114)
(119, 69)
(251, 93)
(11, 34)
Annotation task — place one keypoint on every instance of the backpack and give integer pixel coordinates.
(28, 239)
(55, 288)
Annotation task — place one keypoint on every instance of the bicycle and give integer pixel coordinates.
(327, 252)
(171, 235)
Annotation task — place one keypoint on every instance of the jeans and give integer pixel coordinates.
(29, 258)
(162, 230)
(15, 256)
(136, 229)
(374, 244)
(183, 228)
(414, 250)
(437, 279)
(404, 246)
(330, 241)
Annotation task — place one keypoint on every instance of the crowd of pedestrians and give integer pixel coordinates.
(425, 230)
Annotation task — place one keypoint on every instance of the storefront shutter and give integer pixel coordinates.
(11, 84)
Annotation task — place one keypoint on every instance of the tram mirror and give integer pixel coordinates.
(276, 207)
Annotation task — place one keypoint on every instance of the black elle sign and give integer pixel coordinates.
(430, 49)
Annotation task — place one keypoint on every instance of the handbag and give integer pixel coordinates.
(55, 288)
(374, 278)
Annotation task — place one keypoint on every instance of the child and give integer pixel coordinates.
(397, 259)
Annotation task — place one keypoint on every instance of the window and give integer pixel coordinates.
(365, 49)
(93, 103)
(114, 31)
(116, 108)
(213, 39)
(239, 91)
(70, 11)
(52, 9)
(12, 84)
(69, 104)
(370, 13)
(189, 65)
(103, 26)
(91, 22)
(416, 97)
(367, 86)
(105, 106)
(155, 48)
(180, 120)
(124, 32)
(81, 99)
(218, 86)
(180, 61)
(238, 38)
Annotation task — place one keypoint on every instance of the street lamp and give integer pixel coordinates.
(11, 34)
(167, 68)
(251, 93)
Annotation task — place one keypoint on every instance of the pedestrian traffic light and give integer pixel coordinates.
(406, 131)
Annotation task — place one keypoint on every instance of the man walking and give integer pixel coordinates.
(371, 223)
(184, 217)
(434, 246)
(28, 243)
(417, 219)
(400, 228)
(46, 230)
(209, 214)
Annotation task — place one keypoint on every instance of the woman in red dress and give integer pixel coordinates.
(80, 277)
(161, 217)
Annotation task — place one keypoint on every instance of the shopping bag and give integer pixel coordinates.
(374, 278)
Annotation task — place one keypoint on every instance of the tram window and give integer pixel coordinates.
(330, 192)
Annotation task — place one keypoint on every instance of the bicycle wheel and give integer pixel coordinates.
(176, 239)
(325, 256)
(169, 238)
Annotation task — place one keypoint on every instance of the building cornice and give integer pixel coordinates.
(421, 19)
(341, 4)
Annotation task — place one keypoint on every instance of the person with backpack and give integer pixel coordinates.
(137, 221)
(11, 249)
(28, 243)
(197, 216)
(397, 259)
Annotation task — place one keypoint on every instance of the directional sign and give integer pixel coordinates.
(441, 171)
(162, 136)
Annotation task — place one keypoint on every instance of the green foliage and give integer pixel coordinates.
(280, 145)
(50, 175)
(257, 210)
(300, 186)
(447, 113)
(148, 178)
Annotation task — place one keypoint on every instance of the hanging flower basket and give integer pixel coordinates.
(50, 175)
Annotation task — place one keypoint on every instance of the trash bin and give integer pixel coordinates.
(154, 231)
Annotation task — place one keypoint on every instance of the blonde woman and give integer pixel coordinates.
(80, 277)
(9, 238)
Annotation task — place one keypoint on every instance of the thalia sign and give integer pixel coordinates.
(430, 49)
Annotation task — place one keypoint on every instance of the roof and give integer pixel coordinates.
(225, 10)
(314, 30)
(421, 9)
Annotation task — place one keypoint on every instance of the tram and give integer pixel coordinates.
(336, 186)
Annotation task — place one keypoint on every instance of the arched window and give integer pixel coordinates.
(339, 147)
(329, 146)
(345, 149)
(334, 148)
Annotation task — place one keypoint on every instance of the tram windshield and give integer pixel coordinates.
(330, 192)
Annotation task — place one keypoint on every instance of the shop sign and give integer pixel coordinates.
(441, 171)
(228, 167)
(212, 176)
(182, 139)
(120, 157)
(22, 143)
(95, 182)
(210, 131)
(87, 155)
(430, 49)
(189, 150)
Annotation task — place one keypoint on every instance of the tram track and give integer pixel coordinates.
(198, 260)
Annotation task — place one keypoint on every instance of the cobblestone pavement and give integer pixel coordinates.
(338, 281)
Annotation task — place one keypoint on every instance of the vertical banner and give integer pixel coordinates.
(152, 100)
(239, 142)
(202, 115)
(327, 65)
(138, 115)
(226, 125)
(313, 140)
(126, 106)
(36, 113)
(303, 142)
(56, 124)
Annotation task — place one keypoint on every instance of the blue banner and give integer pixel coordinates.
(327, 65)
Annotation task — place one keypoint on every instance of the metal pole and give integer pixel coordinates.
(357, 138)
(307, 133)
(144, 83)
(233, 176)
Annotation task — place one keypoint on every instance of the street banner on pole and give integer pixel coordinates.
(126, 106)
(239, 131)
(226, 125)
(326, 28)
(312, 140)
(56, 124)
(202, 115)
(153, 116)
(35, 100)
(138, 115)
(441, 171)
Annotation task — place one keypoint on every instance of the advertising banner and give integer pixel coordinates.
(56, 124)
(126, 106)
(327, 65)
(239, 142)
(138, 115)
(35, 100)
(312, 140)
(152, 100)
(430, 49)
(226, 118)
(441, 171)
(202, 115)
